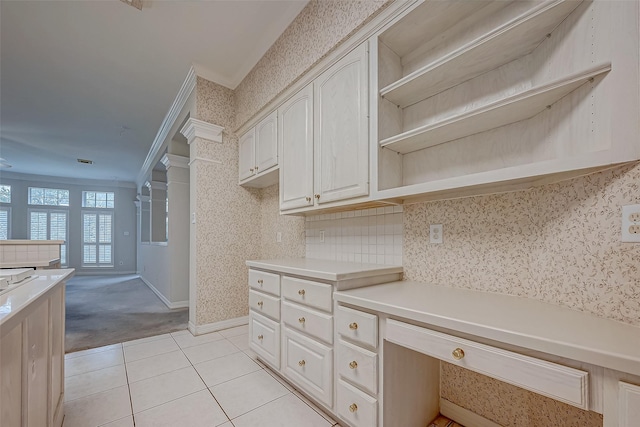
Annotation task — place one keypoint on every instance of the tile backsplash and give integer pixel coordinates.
(367, 235)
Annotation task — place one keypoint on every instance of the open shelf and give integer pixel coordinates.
(512, 40)
(499, 113)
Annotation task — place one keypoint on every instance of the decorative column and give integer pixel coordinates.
(158, 191)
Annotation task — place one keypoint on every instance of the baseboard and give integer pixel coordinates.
(102, 273)
(218, 326)
(169, 304)
(464, 416)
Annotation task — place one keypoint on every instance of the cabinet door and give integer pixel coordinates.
(11, 378)
(246, 161)
(295, 133)
(341, 129)
(267, 143)
(57, 311)
(37, 369)
(629, 404)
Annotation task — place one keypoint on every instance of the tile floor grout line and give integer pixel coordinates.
(126, 373)
(257, 407)
(164, 403)
(96, 370)
(93, 352)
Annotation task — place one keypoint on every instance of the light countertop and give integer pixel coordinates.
(21, 264)
(517, 321)
(324, 269)
(18, 298)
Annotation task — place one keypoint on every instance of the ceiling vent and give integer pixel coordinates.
(85, 161)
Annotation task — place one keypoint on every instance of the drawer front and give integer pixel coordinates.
(356, 407)
(559, 382)
(309, 293)
(358, 365)
(357, 326)
(314, 323)
(264, 338)
(264, 304)
(309, 364)
(265, 282)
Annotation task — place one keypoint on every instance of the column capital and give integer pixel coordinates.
(173, 160)
(197, 128)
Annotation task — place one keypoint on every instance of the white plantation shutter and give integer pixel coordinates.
(97, 231)
(38, 225)
(4, 223)
(58, 231)
(46, 224)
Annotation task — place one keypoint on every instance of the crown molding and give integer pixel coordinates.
(155, 185)
(195, 128)
(184, 93)
(173, 160)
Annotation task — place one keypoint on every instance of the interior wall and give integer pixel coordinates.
(271, 223)
(124, 218)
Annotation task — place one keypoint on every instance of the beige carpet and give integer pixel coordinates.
(103, 310)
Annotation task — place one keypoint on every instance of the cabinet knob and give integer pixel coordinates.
(353, 407)
(458, 353)
(353, 326)
(256, 169)
(260, 303)
(353, 364)
(260, 337)
(251, 169)
(301, 320)
(308, 199)
(302, 363)
(260, 281)
(318, 196)
(301, 292)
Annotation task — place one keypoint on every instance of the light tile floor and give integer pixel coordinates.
(180, 380)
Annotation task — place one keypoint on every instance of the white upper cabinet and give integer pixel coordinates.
(295, 133)
(267, 143)
(341, 129)
(258, 153)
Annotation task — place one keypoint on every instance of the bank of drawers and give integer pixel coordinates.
(264, 304)
(264, 316)
(264, 338)
(357, 367)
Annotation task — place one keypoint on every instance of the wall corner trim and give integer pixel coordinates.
(173, 160)
(169, 304)
(218, 326)
(197, 128)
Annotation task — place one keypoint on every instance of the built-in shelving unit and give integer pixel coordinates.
(487, 96)
(509, 41)
(512, 109)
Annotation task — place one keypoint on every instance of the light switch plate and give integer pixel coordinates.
(435, 233)
(631, 223)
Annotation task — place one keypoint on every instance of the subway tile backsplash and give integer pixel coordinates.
(368, 235)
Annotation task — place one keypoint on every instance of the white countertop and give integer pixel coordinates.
(15, 300)
(324, 269)
(21, 264)
(518, 321)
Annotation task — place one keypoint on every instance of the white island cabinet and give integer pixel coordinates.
(32, 351)
(291, 317)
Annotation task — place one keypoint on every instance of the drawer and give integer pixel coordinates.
(264, 338)
(558, 382)
(357, 326)
(356, 407)
(309, 364)
(265, 282)
(358, 365)
(313, 294)
(314, 323)
(264, 304)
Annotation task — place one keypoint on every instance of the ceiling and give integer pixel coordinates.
(95, 79)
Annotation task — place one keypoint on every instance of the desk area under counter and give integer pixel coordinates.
(573, 357)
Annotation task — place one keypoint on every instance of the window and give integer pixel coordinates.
(98, 199)
(97, 239)
(49, 224)
(5, 223)
(5, 193)
(48, 196)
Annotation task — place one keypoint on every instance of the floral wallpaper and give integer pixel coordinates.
(319, 28)
(558, 243)
(271, 222)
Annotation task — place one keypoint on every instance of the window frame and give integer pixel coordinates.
(8, 210)
(49, 210)
(95, 193)
(10, 195)
(97, 212)
(58, 205)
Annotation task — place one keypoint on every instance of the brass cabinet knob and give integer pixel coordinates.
(353, 326)
(260, 337)
(318, 196)
(353, 364)
(301, 320)
(260, 303)
(260, 281)
(308, 199)
(251, 169)
(256, 169)
(353, 407)
(458, 353)
(301, 292)
(302, 363)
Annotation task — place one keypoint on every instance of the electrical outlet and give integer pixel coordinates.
(435, 233)
(631, 223)
(321, 236)
(279, 237)
(121, 263)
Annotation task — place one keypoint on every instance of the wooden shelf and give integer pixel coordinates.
(499, 113)
(504, 44)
